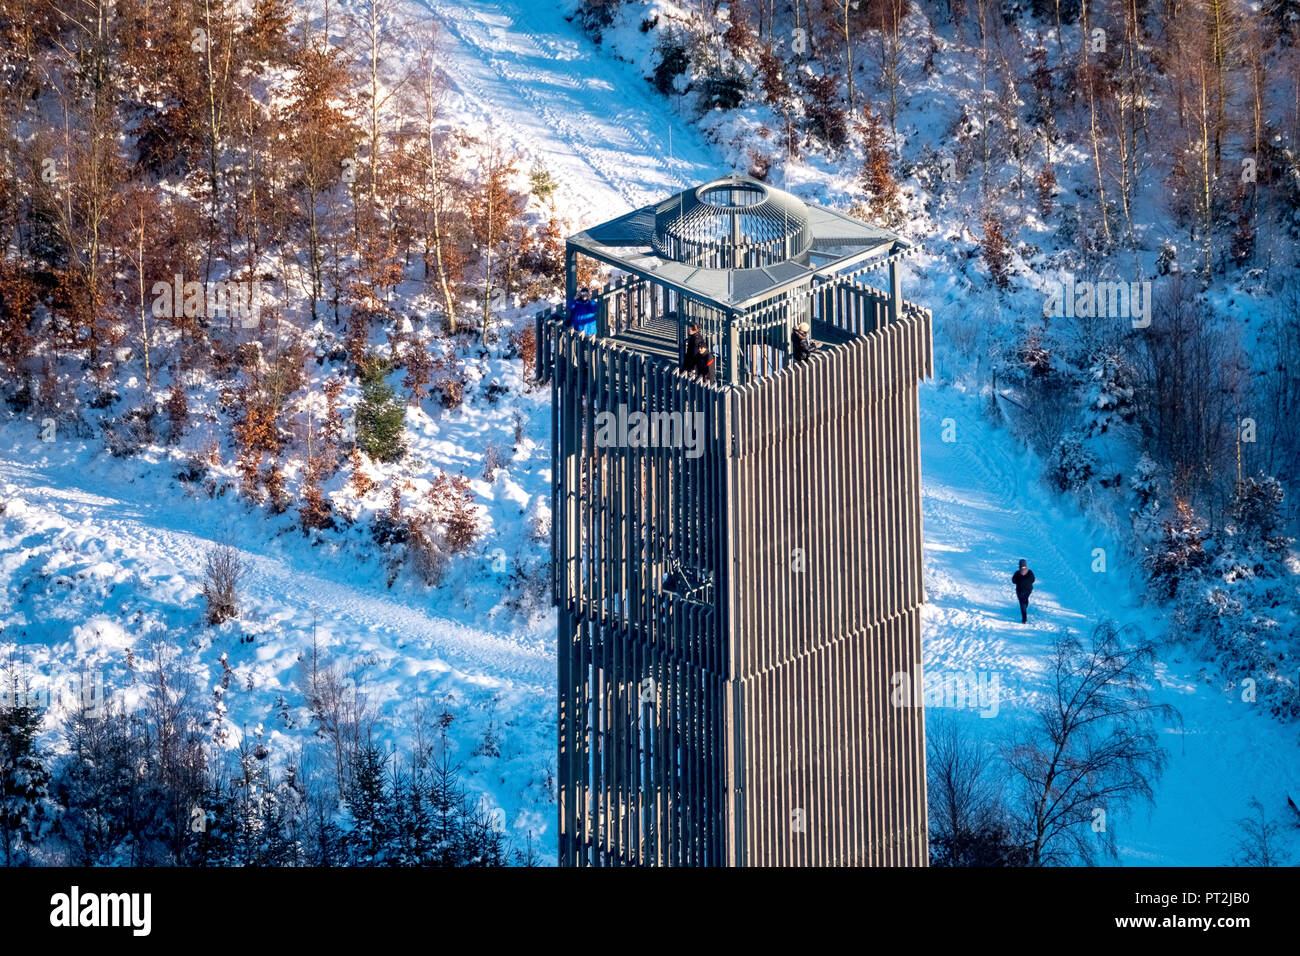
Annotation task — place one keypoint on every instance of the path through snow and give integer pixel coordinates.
(983, 510)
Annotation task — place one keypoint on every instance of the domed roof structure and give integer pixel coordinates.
(736, 241)
(733, 223)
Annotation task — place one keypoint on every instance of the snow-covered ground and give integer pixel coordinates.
(983, 510)
(529, 79)
(100, 555)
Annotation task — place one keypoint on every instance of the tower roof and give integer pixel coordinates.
(735, 241)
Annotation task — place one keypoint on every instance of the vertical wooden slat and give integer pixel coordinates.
(777, 697)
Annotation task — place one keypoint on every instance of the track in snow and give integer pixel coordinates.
(160, 534)
(984, 508)
(534, 81)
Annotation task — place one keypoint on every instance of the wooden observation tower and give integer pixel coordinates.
(737, 564)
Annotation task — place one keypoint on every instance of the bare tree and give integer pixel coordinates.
(178, 764)
(341, 713)
(1260, 839)
(437, 158)
(1093, 749)
(1188, 392)
(968, 823)
(1280, 400)
(842, 12)
(1090, 74)
(889, 55)
(223, 570)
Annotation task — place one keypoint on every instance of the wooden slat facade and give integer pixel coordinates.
(751, 723)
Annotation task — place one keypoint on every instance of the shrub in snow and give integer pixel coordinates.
(105, 398)
(1167, 260)
(316, 511)
(223, 569)
(391, 526)
(450, 380)
(529, 590)
(996, 251)
(1046, 184)
(596, 15)
(722, 86)
(360, 481)
(129, 434)
(1235, 594)
(740, 37)
(1145, 475)
(1072, 465)
(276, 494)
(541, 182)
(256, 434)
(540, 519)
(672, 60)
(543, 257)
(425, 551)
(760, 164)
(453, 504)
(381, 419)
(19, 395)
(1238, 623)
(1031, 355)
(877, 177)
(771, 77)
(442, 524)
(1180, 555)
(826, 117)
(492, 455)
(26, 810)
(1114, 385)
(178, 413)
(490, 745)
(524, 343)
(1257, 520)
(419, 365)
(1046, 407)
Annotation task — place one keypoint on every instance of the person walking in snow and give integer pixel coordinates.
(582, 312)
(1023, 579)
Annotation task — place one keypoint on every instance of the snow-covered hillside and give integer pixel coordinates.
(101, 557)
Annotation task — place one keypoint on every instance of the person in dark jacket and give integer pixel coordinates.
(583, 311)
(691, 350)
(1023, 579)
(704, 362)
(801, 343)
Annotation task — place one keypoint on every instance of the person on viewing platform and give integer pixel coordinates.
(690, 351)
(704, 362)
(583, 311)
(801, 343)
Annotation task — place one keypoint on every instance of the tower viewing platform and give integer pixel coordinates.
(747, 263)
